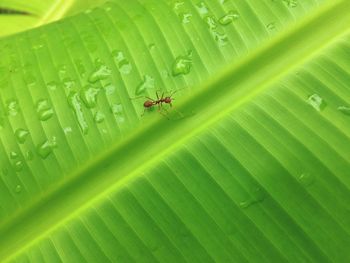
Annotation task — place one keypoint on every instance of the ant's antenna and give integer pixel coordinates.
(174, 91)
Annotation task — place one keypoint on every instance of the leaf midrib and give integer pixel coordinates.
(223, 94)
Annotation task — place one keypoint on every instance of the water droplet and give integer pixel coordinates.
(21, 135)
(67, 130)
(101, 72)
(306, 179)
(75, 103)
(117, 110)
(182, 65)
(80, 67)
(52, 85)
(229, 18)
(271, 26)
(147, 83)
(221, 38)
(99, 117)
(185, 18)
(165, 73)
(62, 71)
(37, 46)
(29, 155)
(109, 89)
(178, 5)
(43, 109)
(257, 196)
(13, 155)
(316, 102)
(151, 46)
(68, 83)
(18, 189)
(291, 3)
(344, 109)
(202, 8)
(211, 22)
(29, 78)
(45, 149)
(89, 96)
(12, 107)
(18, 166)
(122, 63)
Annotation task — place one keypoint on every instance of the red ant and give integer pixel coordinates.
(159, 101)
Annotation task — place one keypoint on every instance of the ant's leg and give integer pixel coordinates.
(143, 113)
(150, 99)
(157, 95)
(165, 115)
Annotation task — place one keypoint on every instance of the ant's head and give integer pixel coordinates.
(148, 104)
(168, 99)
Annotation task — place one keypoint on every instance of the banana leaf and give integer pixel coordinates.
(250, 162)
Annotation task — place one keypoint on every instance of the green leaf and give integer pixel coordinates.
(251, 164)
(18, 15)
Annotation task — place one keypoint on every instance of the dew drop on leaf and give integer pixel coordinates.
(316, 102)
(202, 8)
(89, 96)
(185, 18)
(43, 110)
(62, 71)
(221, 38)
(13, 155)
(29, 78)
(177, 5)
(109, 89)
(101, 72)
(21, 135)
(99, 117)
(45, 149)
(18, 189)
(211, 22)
(52, 85)
(271, 26)
(147, 83)
(67, 130)
(117, 108)
(229, 18)
(306, 179)
(344, 109)
(68, 83)
(18, 166)
(182, 65)
(12, 107)
(291, 3)
(80, 67)
(257, 196)
(29, 155)
(75, 104)
(123, 65)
